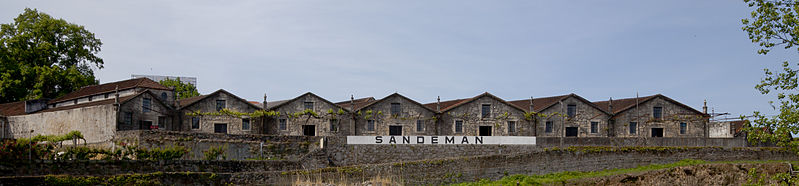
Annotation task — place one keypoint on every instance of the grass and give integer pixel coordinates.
(560, 177)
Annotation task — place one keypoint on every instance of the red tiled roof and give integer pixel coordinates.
(401, 96)
(13, 108)
(111, 87)
(359, 103)
(188, 101)
(447, 105)
(737, 126)
(622, 104)
(539, 104)
(122, 99)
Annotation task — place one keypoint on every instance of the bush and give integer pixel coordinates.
(214, 153)
(167, 153)
(12, 150)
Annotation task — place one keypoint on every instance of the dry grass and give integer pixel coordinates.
(344, 179)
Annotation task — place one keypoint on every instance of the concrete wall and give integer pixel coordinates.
(96, 123)
(673, 115)
(470, 114)
(321, 123)
(411, 113)
(208, 104)
(720, 130)
(582, 120)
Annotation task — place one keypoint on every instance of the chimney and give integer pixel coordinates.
(704, 108)
(438, 104)
(610, 105)
(352, 102)
(116, 95)
(531, 104)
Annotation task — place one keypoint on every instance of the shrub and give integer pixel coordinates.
(214, 153)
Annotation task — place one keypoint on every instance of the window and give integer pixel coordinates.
(548, 127)
(195, 123)
(633, 127)
(90, 98)
(106, 96)
(308, 105)
(281, 124)
(145, 104)
(657, 112)
(419, 125)
(458, 126)
(594, 126)
(220, 104)
(396, 109)
(128, 118)
(333, 125)
(163, 95)
(245, 124)
(486, 110)
(220, 128)
(571, 110)
(683, 128)
(370, 125)
(511, 126)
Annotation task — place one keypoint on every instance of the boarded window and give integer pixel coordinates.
(419, 125)
(594, 127)
(333, 125)
(486, 110)
(128, 118)
(396, 108)
(571, 110)
(145, 104)
(245, 124)
(281, 124)
(511, 126)
(548, 127)
(657, 112)
(458, 126)
(195, 123)
(370, 125)
(308, 105)
(683, 128)
(220, 104)
(633, 127)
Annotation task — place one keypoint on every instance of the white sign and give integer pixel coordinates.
(442, 140)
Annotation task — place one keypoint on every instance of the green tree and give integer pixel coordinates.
(773, 24)
(184, 90)
(44, 57)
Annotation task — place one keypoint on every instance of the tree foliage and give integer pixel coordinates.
(773, 24)
(184, 90)
(45, 57)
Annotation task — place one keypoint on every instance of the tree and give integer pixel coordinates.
(44, 57)
(772, 24)
(184, 90)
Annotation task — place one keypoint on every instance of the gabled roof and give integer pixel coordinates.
(111, 87)
(192, 100)
(541, 104)
(449, 105)
(309, 94)
(18, 108)
(622, 105)
(400, 95)
(359, 103)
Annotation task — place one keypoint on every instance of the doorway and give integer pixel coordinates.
(395, 130)
(220, 128)
(485, 130)
(571, 131)
(657, 132)
(309, 130)
(145, 125)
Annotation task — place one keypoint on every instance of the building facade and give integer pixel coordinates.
(218, 113)
(309, 115)
(395, 115)
(483, 115)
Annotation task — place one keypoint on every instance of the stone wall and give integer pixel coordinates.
(100, 167)
(471, 115)
(232, 124)
(584, 115)
(160, 114)
(673, 115)
(96, 123)
(411, 113)
(322, 124)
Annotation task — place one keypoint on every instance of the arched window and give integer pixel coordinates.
(163, 95)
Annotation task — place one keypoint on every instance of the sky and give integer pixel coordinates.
(687, 50)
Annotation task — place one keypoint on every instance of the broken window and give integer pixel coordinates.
(333, 125)
(486, 110)
(220, 104)
(396, 109)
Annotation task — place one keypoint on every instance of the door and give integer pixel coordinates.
(145, 125)
(571, 131)
(220, 128)
(395, 130)
(485, 130)
(657, 132)
(309, 130)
